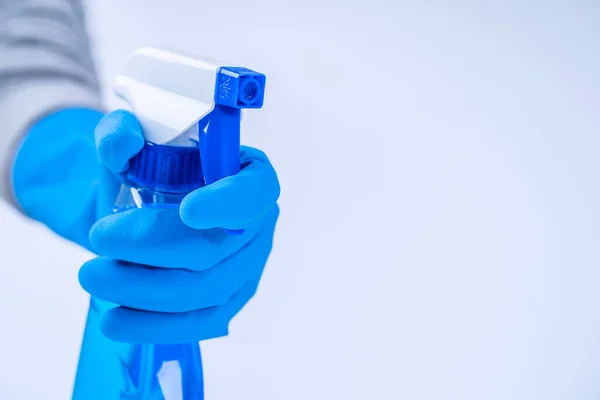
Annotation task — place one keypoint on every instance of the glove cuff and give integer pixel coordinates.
(22, 107)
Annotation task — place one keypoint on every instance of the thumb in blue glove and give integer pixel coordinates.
(176, 274)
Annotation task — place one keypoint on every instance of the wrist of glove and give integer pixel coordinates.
(56, 173)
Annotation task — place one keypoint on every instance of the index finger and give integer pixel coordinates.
(234, 202)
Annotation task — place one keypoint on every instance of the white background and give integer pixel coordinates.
(440, 226)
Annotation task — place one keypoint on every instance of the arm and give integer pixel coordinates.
(46, 70)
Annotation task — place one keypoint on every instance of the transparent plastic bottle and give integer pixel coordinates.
(159, 176)
(208, 96)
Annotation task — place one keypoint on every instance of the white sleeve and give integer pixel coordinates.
(45, 66)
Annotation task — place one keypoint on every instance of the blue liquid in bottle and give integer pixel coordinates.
(159, 176)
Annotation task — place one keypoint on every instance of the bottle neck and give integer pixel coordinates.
(166, 168)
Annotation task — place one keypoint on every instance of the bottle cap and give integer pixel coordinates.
(166, 169)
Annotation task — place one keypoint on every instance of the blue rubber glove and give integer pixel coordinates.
(61, 179)
(176, 274)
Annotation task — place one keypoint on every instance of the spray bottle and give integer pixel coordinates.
(190, 112)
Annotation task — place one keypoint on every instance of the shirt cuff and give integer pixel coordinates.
(23, 106)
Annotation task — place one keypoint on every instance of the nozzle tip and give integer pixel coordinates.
(249, 91)
(240, 88)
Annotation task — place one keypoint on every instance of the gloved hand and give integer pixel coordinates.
(176, 275)
(207, 276)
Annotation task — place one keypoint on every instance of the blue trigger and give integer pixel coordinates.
(219, 132)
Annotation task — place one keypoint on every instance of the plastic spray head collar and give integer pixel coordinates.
(172, 95)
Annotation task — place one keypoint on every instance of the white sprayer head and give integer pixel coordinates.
(168, 92)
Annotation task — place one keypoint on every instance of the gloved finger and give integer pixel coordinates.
(234, 202)
(175, 290)
(134, 326)
(157, 237)
(118, 137)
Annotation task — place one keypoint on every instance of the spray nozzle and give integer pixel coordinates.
(173, 94)
(240, 88)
